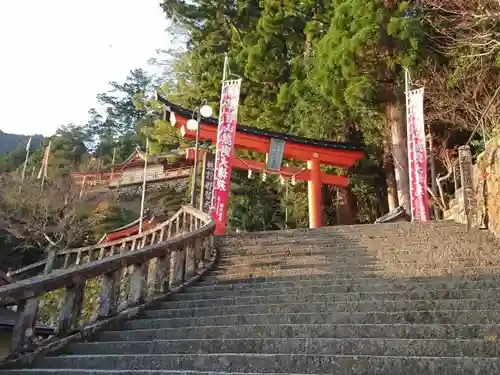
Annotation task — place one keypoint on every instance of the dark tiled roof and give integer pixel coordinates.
(266, 133)
(8, 318)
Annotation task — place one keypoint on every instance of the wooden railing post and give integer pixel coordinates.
(78, 258)
(66, 260)
(24, 329)
(132, 246)
(138, 284)
(170, 230)
(162, 274)
(102, 252)
(110, 292)
(51, 258)
(143, 242)
(178, 224)
(190, 260)
(206, 249)
(198, 254)
(72, 308)
(179, 260)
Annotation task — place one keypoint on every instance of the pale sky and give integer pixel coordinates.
(56, 55)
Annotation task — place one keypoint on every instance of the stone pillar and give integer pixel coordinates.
(469, 195)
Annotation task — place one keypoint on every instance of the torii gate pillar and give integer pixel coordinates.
(315, 194)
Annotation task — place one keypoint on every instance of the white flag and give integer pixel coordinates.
(28, 145)
(45, 162)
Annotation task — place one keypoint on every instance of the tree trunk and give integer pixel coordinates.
(51, 258)
(396, 122)
(390, 178)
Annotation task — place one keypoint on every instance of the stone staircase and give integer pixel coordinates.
(377, 299)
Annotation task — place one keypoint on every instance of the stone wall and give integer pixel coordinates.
(486, 178)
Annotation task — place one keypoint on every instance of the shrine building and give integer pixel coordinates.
(131, 171)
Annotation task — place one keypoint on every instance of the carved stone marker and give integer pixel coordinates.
(207, 183)
(469, 195)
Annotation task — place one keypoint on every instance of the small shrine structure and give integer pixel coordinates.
(277, 146)
(131, 171)
(149, 220)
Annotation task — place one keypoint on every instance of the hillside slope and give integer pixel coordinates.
(10, 142)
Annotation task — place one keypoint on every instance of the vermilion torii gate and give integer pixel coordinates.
(314, 152)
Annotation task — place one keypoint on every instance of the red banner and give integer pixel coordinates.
(226, 135)
(417, 156)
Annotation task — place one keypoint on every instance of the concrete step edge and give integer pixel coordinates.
(395, 325)
(327, 281)
(297, 293)
(345, 302)
(83, 356)
(284, 339)
(312, 314)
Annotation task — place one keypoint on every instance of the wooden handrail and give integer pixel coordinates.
(77, 256)
(180, 255)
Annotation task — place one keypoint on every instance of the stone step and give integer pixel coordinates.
(356, 243)
(313, 264)
(363, 231)
(387, 261)
(346, 229)
(128, 372)
(299, 264)
(402, 331)
(288, 306)
(280, 363)
(343, 259)
(368, 317)
(433, 234)
(297, 255)
(391, 272)
(457, 247)
(344, 346)
(430, 238)
(362, 246)
(342, 285)
(318, 294)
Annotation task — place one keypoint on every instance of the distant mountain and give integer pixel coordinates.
(11, 142)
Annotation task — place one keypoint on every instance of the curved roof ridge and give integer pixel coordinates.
(172, 107)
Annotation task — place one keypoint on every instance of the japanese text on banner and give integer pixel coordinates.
(226, 136)
(417, 156)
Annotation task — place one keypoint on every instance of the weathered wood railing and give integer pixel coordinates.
(75, 257)
(168, 258)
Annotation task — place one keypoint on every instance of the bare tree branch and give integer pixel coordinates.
(54, 217)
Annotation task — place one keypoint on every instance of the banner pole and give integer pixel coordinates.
(28, 146)
(408, 141)
(144, 177)
(226, 66)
